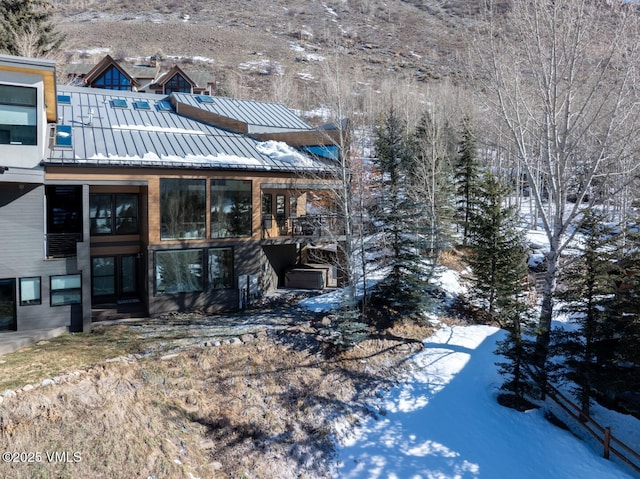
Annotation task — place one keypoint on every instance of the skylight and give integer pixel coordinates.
(119, 103)
(163, 105)
(204, 99)
(141, 105)
(65, 99)
(64, 136)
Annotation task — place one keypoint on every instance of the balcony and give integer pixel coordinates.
(62, 245)
(327, 227)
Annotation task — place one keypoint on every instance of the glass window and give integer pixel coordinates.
(179, 271)
(177, 84)
(129, 275)
(113, 213)
(112, 79)
(182, 208)
(18, 115)
(66, 289)
(220, 268)
(267, 205)
(30, 291)
(103, 276)
(230, 208)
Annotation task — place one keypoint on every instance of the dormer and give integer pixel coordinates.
(109, 75)
(27, 105)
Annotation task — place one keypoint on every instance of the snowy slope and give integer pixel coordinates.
(444, 422)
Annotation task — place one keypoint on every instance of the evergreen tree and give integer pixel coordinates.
(26, 29)
(401, 231)
(498, 261)
(588, 285)
(466, 176)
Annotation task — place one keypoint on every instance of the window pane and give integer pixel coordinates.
(100, 214)
(182, 208)
(178, 271)
(103, 280)
(30, 291)
(126, 211)
(220, 268)
(230, 208)
(129, 276)
(66, 289)
(18, 115)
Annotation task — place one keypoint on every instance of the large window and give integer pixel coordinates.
(179, 271)
(103, 276)
(66, 289)
(18, 115)
(113, 214)
(177, 84)
(182, 208)
(230, 208)
(112, 79)
(220, 268)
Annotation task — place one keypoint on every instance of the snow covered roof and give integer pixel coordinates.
(98, 127)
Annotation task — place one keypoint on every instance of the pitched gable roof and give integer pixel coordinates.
(168, 76)
(102, 66)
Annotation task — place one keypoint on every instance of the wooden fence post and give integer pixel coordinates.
(607, 441)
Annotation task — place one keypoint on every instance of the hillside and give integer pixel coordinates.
(248, 42)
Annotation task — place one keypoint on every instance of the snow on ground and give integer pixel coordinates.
(444, 422)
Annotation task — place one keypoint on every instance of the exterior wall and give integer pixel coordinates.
(26, 156)
(22, 224)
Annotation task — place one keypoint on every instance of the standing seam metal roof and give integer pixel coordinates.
(106, 135)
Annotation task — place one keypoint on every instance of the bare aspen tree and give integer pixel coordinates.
(560, 74)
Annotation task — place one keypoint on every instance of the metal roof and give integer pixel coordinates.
(104, 134)
(258, 115)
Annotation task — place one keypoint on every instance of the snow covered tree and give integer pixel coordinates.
(588, 284)
(401, 239)
(26, 29)
(465, 176)
(498, 261)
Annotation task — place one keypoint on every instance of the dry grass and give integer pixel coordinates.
(262, 409)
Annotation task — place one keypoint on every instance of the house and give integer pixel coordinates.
(120, 203)
(113, 75)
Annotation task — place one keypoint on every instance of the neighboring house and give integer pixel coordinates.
(118, 203)
(112, 75)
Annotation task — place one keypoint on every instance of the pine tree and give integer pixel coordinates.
(26, 29)
(588, 284)
(498, 261)
(401, 236)
(466, 176)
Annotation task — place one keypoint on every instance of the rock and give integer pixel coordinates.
(216, 466)
(207, 444)
(167, 357)
(326, 321)
(235, 341)
(8, 393)
(247, 338)
(47, 382)
(28, 387)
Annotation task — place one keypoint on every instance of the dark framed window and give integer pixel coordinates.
(182, 208)
(220, 265)
(103, 276)
(179, 271)
(112, 79)
(178, 84)
(18, 115)
(30, 291)
(267, 208)
(66, 289)
(230, 208)
(113, 213)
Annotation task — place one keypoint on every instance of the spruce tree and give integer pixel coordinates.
(498, 261)
(26, 29)
(588, 284)
(466, 176)
(399, 217)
